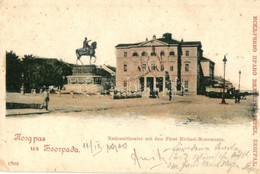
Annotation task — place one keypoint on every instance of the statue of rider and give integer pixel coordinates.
(85, 44)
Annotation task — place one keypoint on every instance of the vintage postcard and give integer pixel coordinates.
(153, 86)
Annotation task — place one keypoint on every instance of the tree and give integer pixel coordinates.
(13, 72)
(40, 72)
(37, 72)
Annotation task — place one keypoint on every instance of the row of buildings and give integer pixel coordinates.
(152, 64)
(158, 64)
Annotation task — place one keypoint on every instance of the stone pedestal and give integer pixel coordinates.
(84, 69)
(84, 79)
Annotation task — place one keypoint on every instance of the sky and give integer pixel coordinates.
(55, 29)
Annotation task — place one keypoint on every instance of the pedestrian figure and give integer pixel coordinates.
(157, 92)
(237, 96)
(46, 99)
(170, 95)
(170, 89)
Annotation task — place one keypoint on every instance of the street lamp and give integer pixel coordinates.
(224, 83)
(239, 79)
(22, 87)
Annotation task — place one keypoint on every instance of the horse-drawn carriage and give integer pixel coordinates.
(229, 94)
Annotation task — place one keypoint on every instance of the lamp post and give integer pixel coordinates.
(63, 81)
(239, 79)
(22, 87)
(224, 83)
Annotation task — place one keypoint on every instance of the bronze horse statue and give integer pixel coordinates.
(90, 51)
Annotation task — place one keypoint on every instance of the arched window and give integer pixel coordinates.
(172, 53)
(144, 53)
(153, 53)
(135, 54)
(162, 53)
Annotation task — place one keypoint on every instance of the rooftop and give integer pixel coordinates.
(204, 59)
(166, 38)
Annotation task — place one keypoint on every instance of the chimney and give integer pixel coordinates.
(154, 37)
(146, 39)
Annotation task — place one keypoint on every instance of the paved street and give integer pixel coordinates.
(188, 108)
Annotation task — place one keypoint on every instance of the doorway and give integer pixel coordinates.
(141, 82)
(150, 82)
(159, 83)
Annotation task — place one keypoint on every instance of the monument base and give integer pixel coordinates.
(84, 79)
(84, 88)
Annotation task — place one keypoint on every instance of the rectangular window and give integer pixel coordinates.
(125, 67)
(186, 84)
(125, 83)
(187, 67)
(171, 68)
(143, 66)
(125, 54)
(187, 53)
(153, 66)
(162, 67)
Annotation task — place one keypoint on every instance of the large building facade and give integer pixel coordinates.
(153, 64)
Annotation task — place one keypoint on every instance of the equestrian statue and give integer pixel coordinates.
(87, 50)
